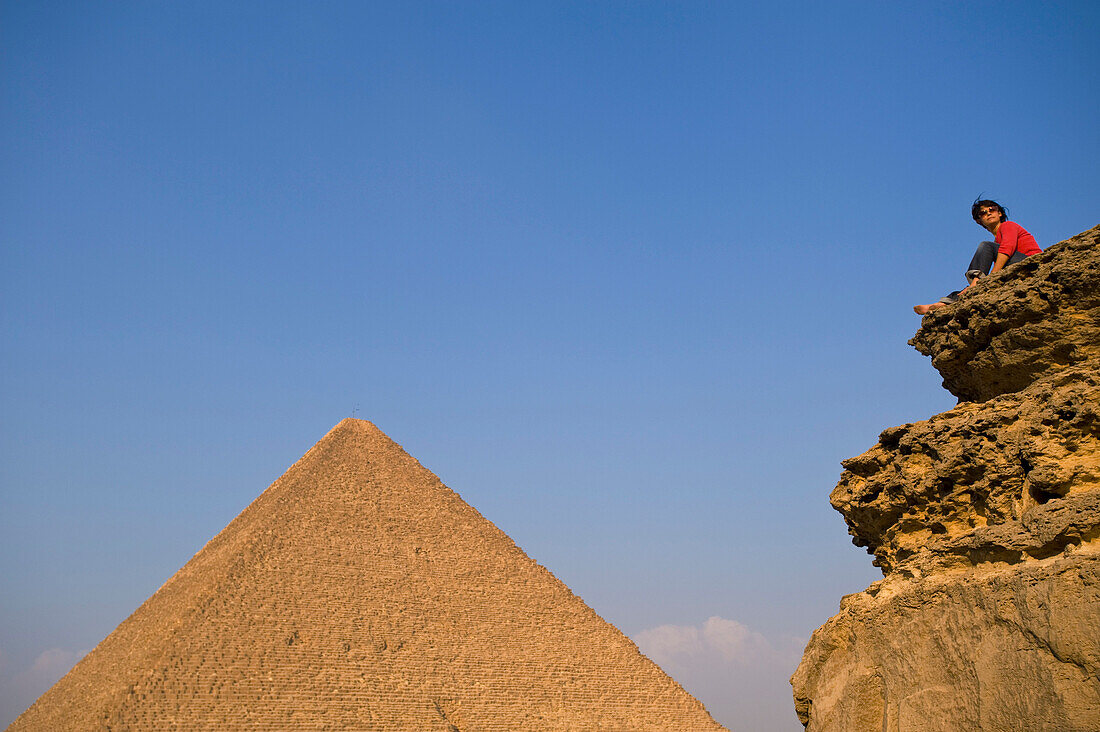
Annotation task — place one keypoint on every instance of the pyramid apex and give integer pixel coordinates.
(355, 423)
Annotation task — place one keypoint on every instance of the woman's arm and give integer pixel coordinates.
(1002, 260)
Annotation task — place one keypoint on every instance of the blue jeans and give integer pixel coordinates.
(980, 264)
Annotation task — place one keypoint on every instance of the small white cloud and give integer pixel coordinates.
(50, 666)
(735, 641)
(20, 690)
(667, 642)
(717, 636)
(738, 673)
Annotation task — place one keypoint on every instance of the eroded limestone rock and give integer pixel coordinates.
(985, 521)
(1014, 477)
(1003, 648)
(1029, 319)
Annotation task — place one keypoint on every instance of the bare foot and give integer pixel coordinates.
(925, 309)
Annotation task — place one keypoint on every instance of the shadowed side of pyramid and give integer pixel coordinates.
(359, 592)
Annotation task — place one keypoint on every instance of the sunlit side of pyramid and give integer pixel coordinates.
(359, 592)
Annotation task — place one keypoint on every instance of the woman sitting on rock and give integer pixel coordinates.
(1011, 244)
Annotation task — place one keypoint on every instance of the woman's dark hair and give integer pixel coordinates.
(976, 210)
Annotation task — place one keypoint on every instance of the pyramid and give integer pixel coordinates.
(359, 592)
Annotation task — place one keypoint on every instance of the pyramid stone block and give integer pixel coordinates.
(359, 592)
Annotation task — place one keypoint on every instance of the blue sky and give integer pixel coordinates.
(631, 277)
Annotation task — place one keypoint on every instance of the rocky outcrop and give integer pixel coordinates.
(985, 521)
(1035, 317)
(1014, 478)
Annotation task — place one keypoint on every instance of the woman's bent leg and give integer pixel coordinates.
(982, 261)
(980, 264)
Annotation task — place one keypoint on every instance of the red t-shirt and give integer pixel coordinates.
(1014, 238)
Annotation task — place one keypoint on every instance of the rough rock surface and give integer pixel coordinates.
(359, 592)
(1035, 317)
(1012, 478)
(985, 521)
(1010, 647)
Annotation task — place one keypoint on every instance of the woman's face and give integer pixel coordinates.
(989, 216)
